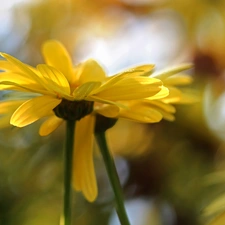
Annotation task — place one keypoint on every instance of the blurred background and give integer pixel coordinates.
(172, 173)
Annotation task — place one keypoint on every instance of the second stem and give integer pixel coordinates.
(113, 177)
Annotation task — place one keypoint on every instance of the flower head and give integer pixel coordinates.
(58, 91)
(59, 81)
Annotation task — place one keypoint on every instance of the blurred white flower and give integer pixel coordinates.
(157, 37)
(143, 211)
(214, 111)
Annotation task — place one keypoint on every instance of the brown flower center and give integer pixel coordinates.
(73, 110)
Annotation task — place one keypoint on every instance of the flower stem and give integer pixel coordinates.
(113, 177)
(70, 126)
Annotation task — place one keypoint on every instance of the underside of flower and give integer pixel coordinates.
(136, 94)
(103, 123)
(73, 110)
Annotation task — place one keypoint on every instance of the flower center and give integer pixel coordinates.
(73, 110)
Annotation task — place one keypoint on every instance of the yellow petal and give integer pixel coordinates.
(51, 124)
(75, 77)
(141, 113)
(33, 109)
(84, 178)
(90, 71)
(166, 107)
(143, 70)
(166, 110)
(8, 85)
(109, 83)
(7, 66)
(108, 111)
(10, 67)
(167, 116)
(55, 79)
(56, 55)
(178, 80)
(171, 71)
(18, 78)
(173, 97)
(84, 90)
(29, 73)
(104, 101)
(161, 94)
(131, 89)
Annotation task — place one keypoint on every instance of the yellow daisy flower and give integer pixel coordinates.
(59, 91)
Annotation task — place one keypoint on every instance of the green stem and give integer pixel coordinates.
(113, 177)
(68, 163)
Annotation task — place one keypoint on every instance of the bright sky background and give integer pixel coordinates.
(7, 4)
